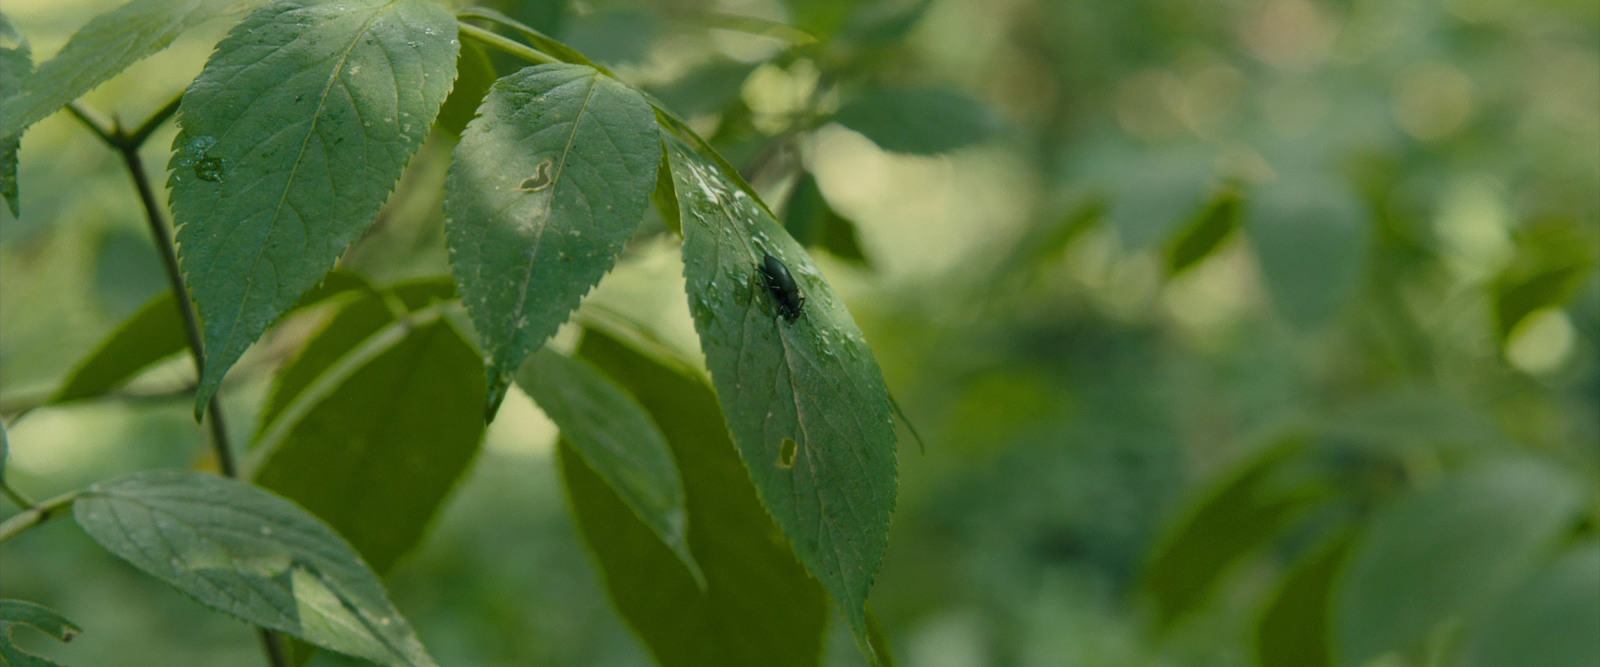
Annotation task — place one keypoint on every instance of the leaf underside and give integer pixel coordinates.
(291, 138)
(546, 187)
(253, 555)
(390, 440)
(804, 399)
(17, 612)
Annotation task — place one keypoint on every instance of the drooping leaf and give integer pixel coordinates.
(813, 223)
(250, 554)
(919, 121)
(375, 443)
(151, 334)
(617, 440)
(16, 65)
(291, 138)
(1294, 629)
(548, 184)
(757, 605)
(1213, 224)
(17, 612)
(102, 48)
(1447, 551)
(1550, 619)
(1234, 519)
(804, 398)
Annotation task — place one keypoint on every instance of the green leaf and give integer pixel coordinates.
(250, 554)
(664, 198)
(17, 612)
(1215, 223)
(813, 223)
(757, 605)
(1550, 619)
(153, 333)
(16, 65)
(1447, 551)
(475, 73)
(8, 174)
(548, 183)
(291, 138)
(385, 431)
(1311, 241)
(101, 49)
(804, 399)
(344, 330)
(616, 439)
(1235, 518)
(919, 121)
(1294, 628)
(1552, 259)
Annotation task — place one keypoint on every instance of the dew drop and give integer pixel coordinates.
(209, 169)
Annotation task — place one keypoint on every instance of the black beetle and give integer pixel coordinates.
(780, 284)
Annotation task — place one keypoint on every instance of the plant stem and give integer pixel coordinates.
(138, 136)
(94, 121)
(127, 145)
(513, 47)
(191, 320)
(35, 515)
(15, 496)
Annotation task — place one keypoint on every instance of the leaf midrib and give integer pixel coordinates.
(555, 184)
(322, 100)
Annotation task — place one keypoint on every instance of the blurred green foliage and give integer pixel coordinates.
(1251, 332)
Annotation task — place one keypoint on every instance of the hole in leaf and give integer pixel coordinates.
(539, 180)
(786, 453)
